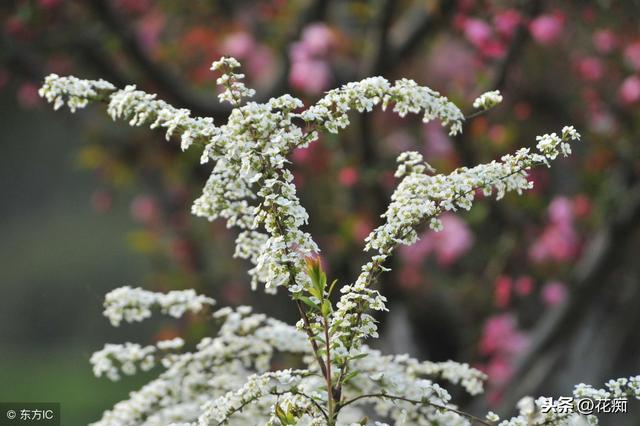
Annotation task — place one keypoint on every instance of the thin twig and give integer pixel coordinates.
(415, 401)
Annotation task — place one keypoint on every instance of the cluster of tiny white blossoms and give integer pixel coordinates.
(488, 100)
(135, 304)
(407, 96)
(115, 358)
(229, 377)
(534, 412)
(73, 92)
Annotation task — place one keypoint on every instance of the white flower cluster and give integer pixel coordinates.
(135, 304)
(235, 90)
(113, 358)
(552, 145)
(229, 377)
(532, 412)
(245, 344)
(407, 96)
(72, 91)
(488, 100)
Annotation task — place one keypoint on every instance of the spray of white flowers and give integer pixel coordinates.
(229, 378)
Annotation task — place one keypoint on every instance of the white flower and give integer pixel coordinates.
(488, 100)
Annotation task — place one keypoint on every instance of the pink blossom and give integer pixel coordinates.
(493, 49)
(590, 68)
(260, 63)
(143, 209)
(448, 245)
(629, 91)
(499, 370)
(239, 44)
(524, 285)
(502, 291)
(559, 240)
(478, 32)
(348, 176)
(605, 41)
(362, 228)
(453, 241)
(301, 155)
(554, 293)
(438, 143)
(310, 76)
(500, 336)
(416, 253)
(28, 96)
(632, 55)
(318, 39)
(507, 22)
(149, 29)
(561, 211)
(409, 277)
(546, 29)
(581, 206)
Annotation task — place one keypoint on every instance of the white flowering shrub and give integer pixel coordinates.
(339, 380)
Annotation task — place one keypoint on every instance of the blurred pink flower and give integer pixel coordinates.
(546, 29)
(499, 370)
(149, 29)
(362, 228)
(437, 142)
(502, 291)
(239, 44)
(318, 39)
(581, 206)
(500, 336)
(632, 55)
(257, 57)
(28, 95)
(143, 209)
(410, 277)
(448, 245)
(310, 76)
(561, 211)
(590, 68)
(629, 91)
(506, 22)
(605, 41)
(478, 32)
(524, 285)
(310, 71)
(301, 155)
(554, 293)
(559, 240)
(348, 176)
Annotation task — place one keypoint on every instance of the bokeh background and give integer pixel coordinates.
(539, 291)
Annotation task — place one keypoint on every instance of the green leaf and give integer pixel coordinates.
(326, 308)
(359, 356)
(333, 284)
(308, 302)
(282, 416)
(350, 376)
